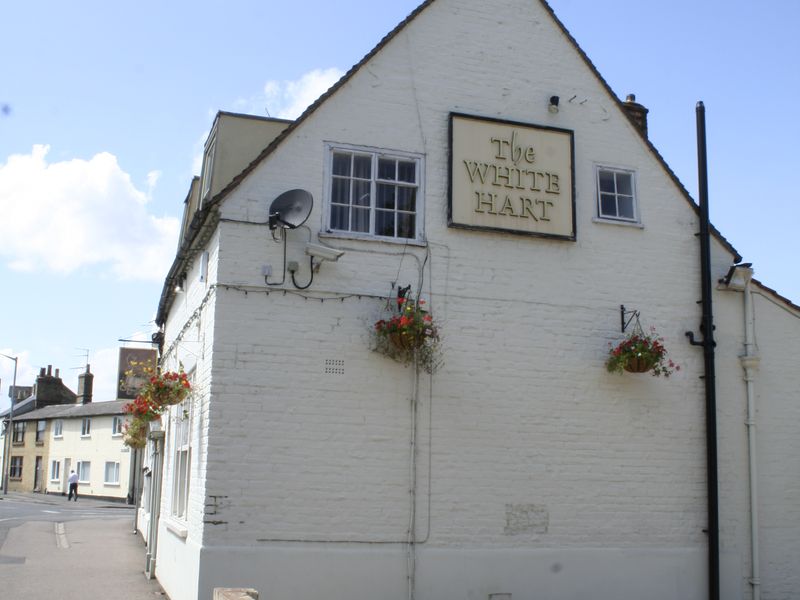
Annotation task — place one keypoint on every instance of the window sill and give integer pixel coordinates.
(110, 484)
(86, 437)
(58, 437)
(634, 224)
(55, 481)
(18, 444)
(40, 443)
(15, 478)
(116, 435)
(84, 482)
(176, 527)
(343, 235)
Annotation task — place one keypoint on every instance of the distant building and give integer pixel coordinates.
(56, 436)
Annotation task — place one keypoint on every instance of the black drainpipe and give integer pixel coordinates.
(707, 328)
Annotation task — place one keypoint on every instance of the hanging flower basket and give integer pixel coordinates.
(410, 336)
(161, 391)
(641, 353)
(135, 433)
(637, 364)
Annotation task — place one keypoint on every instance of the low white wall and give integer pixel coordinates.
(178, 565)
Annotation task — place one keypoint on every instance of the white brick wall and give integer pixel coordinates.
(535, 452)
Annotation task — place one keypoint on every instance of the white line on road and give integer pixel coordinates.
(61, 536)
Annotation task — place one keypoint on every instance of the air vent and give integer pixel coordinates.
(334, 366)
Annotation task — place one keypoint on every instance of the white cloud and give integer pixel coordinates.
(67, 215)
(152, 181)
(289, 98)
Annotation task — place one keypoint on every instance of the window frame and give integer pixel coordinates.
(55, 470)
(181, 432)
(18, 432)
(86, 427)
(206, 176)
(106, 481)
(15, 467)
(81, 471)
(58, 428)
(616, 170)
(116, 426)
(376, 153)
(41, 427)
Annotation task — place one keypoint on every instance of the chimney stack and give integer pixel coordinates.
(636, 112)
(85, 384)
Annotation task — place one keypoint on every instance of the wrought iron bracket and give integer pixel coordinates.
(634, 314)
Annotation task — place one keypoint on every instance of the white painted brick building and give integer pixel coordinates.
(535, 472)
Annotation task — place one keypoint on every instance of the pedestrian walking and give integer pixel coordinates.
(73, 485)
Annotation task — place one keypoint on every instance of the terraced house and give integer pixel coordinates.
(53, 439)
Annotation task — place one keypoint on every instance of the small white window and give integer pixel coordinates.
(84, 471)
(86, 427)
(208, 167)
(112, 473)
(616, 195)
(58, 428)
(55, 470)
(204, 266)
(116, 426)
(374, 193)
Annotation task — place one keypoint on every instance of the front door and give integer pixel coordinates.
(65, 476)
(37, 475)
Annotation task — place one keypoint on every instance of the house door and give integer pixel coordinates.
(37, 475)
(65, 476)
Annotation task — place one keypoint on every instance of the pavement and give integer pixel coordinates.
(74, 558)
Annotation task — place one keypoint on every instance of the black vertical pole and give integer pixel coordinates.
(708, 344)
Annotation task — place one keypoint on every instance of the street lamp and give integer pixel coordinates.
(7, 442)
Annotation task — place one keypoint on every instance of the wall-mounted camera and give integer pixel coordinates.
(323, 252)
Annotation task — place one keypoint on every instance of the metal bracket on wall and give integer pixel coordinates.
(634, 314)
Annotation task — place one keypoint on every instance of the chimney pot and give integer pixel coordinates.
(57, 373)
(636, 112)
(49, 370)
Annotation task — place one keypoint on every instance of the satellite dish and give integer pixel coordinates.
(290, 209)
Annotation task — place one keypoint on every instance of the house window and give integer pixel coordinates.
(116, 426)
(18, 436)
(182, 455)
(15, 469)
(204, 266)
(616, 195)
(55, 470)
(86, 427)
(40, 427)
(112, 473)
(58, 427)
(375, 193)
(84, 471)
(208, 165)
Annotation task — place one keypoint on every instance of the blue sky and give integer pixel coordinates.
(104, 108)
